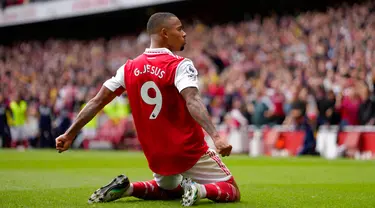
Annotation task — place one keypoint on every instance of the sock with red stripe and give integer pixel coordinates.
(218, 192)
(149, 190)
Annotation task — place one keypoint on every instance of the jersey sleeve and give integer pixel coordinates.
(186, 75)
(117, 83)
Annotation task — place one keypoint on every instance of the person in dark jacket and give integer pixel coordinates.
(366, 113)
(4, 126)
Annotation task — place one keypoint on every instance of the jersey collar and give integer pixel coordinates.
(158, 51)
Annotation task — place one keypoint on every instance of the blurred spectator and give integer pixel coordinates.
(348, 104)
(18, 128)
(306, 96)
(366, 112)
(216, 109)
(326, 107)
(299, 119)
(278, 100)
(5, 113)
(263, 108)
(46, 116)
(238, 131)
(236, 113)
(31, 126)
(297, 113)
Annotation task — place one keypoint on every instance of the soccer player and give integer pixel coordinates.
(169, 115)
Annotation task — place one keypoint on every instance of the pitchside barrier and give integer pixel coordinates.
(331, 142)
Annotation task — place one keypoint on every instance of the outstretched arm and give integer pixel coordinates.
(113, 87)
(96, 104)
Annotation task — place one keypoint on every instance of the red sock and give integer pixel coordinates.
(149, 190)
(221, 192)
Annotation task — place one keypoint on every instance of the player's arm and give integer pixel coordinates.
(199, 111)
(110, 89)
(186, 81)
(96, 104)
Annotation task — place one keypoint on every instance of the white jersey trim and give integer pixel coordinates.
(158, 51)
(117, 81)
(150, 51)
(186, 75)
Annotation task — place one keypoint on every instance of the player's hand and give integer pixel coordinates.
(63, 143)
(223, 148)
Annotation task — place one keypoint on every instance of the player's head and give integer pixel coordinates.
(167, 29)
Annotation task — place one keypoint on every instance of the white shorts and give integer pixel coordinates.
(208, 169)
(18, 133)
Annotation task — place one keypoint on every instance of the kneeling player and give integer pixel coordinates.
(169, 115)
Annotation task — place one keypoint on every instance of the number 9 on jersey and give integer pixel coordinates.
(157, 100)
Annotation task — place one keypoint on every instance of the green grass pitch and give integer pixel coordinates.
(46, 179)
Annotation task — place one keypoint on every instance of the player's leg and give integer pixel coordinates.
(209, 178)
(161, 188)
(224, 191)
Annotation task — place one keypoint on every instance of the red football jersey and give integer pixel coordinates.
(170, 138)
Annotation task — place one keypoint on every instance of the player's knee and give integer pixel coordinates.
(169, 182)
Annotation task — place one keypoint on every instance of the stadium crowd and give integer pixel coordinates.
(317, 68)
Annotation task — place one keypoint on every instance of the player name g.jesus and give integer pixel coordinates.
(150, 69)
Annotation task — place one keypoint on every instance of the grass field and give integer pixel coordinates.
(46, 179)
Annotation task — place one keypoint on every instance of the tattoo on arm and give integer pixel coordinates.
(199, 111)
(87, 113)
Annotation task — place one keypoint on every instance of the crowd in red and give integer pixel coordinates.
(319, 64)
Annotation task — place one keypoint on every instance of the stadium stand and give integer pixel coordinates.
(283, 76)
